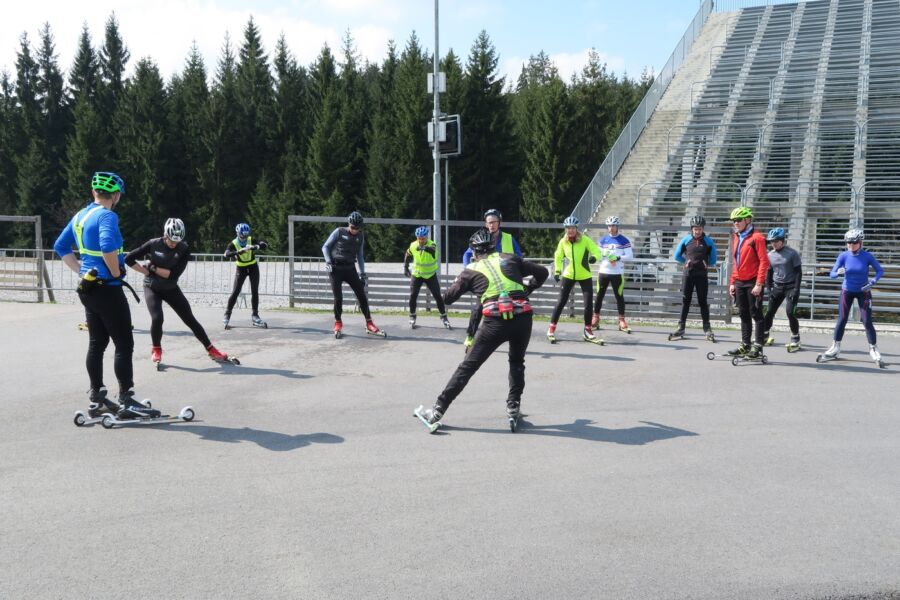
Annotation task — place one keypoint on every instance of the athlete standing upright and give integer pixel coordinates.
(616, 251)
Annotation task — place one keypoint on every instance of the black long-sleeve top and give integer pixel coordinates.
(159, 254)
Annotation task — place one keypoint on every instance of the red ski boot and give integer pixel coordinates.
(372, 329)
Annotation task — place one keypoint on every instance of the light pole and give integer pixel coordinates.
(435, 123)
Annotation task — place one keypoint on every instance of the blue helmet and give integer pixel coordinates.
(242, 230)
(422, 231)
(775, 234)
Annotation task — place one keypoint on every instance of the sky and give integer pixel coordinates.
(629, 36)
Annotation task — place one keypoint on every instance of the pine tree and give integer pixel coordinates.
(488, 171)
(268, 214)
(113, 57)
(7, 157)
(188, 113)
(140, 123)
(55, 124)
(353, 123)
(85, 71)
(84, 147)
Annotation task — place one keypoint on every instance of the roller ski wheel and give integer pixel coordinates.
(513, 424)
(739, 360)
(419, 413)
(109, 421)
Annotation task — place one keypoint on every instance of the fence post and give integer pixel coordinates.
(38, 247)
(291, 262)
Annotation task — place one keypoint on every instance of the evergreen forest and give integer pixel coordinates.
(258, 136)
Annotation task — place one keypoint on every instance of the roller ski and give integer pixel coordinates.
(875, 355)
(149, 417)
(446, 322)
(678, 334)
(430, 417)
(793, 345)
(551, 333)
(226, 320)
(588, 335)
(100, 406)
(156, 357)
(755, 355)
(738, 352)
(831, 354)
(221, 357)
(257, 322)
(373, 329)
(412, 321)
(338, 330)
(623, 326)
(710, 336)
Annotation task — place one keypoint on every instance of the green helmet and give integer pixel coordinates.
(741, 212)
(107, 182)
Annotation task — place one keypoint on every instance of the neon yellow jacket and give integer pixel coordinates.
(577, 257)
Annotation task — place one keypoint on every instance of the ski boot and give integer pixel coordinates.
(678, 334)
(430, 417)
(156, 356)
(100, 406)
(710, 336)
(623, 326)
(226, 318)
(754, 354)
(588, 335)
(338, 329)
(412, 321)
(831, 354)
(372, 329)
(794, 344)
(257, 322)
(595, 322)
(512, 414)
(741, 350)
(446, 322)
(129, 408)
(876, 356)
(551, 333)
(769, 340)
(219, 356)
(469, 342)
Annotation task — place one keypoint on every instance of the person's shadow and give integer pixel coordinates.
(585, 429)
(270, 440)
(229, 369)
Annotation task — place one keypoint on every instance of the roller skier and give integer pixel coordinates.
(783, 282)
(242, 250)
(617, 250)
(166, 259)
(575, 253)
(343, 250)
(423, 253)
(696, 252)
(496, 279)
(751, 265)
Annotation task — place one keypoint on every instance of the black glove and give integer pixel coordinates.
(152, 268)
(420, 249)
(406, 272)
(263, 246)
(592, 259)
(364, 278)
(795, 299)
(328, 267)
(556, 277)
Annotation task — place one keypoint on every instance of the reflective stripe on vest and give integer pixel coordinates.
(506, 243)
(424, 264)
(244, 258)
(489, 266)
(78, 229)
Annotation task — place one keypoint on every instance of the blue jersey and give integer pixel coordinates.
(468, 255)
(99, 234)
(856, 269)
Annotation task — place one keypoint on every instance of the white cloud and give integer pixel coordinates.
(567, 64)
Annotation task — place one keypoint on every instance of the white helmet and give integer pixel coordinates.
(612, 220)
(174, 230)
(853, 236)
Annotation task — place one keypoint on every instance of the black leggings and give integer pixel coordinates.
(699, 282)
(108, 316)
(865, 314)
(239, 276)
(780, 294)
(348, 274)
(494, 331)
(415, 284)
(618, 288)
(750, 309)
(586, 292)
(175, 298)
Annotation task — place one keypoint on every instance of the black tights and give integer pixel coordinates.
(348, 274)
(587, 294)
(240, 275)
(415, 284)
(108, 316)
(174, 298)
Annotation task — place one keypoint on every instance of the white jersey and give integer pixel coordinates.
(618, 246)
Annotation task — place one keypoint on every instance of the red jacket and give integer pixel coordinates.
(754, 263)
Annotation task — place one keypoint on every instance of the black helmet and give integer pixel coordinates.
(493, 212)
(355, 219)
(698, 221)
(481, 242)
